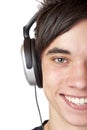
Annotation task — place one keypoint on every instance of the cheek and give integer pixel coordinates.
(49, 80)
(52, 82)
(50, 77)
(55, 80)
(54, 77)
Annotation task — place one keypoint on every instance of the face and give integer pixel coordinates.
(64, 69)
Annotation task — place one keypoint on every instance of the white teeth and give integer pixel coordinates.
(78, 101)
(85, 100)
(82, 101)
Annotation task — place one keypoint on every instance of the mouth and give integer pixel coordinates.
(75, 102)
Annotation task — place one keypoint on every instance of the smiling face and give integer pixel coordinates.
(64, 70)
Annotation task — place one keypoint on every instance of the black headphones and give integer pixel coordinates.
(31, 62)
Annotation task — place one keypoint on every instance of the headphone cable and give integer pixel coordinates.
(38, 108)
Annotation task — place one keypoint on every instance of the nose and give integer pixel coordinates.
(78, 76)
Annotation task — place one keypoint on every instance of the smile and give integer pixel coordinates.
(77, 101)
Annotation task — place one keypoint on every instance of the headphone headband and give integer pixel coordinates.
(27, 27)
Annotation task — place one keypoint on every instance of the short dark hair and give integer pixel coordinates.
(56, 17)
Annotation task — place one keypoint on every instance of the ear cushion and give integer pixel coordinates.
(27, 51)
(36, 64)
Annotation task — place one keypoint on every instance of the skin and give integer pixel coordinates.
(64, 70)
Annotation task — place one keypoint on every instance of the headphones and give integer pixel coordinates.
(31, 62)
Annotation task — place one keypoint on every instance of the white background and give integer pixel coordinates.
(18, 109)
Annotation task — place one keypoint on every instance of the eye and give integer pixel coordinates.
(60, 60)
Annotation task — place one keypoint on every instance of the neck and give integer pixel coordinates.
(56, 122)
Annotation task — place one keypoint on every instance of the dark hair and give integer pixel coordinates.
(55, 17)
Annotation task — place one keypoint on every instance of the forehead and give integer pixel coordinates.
(75, 38)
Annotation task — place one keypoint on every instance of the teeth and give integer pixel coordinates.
(85, 100)
(78, 101)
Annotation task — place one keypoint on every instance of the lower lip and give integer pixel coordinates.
(74, 106)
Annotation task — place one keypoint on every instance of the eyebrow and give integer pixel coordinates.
(58, 50)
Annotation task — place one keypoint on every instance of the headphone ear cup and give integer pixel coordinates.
(31, 63)
(26, 53)
(36, 64)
